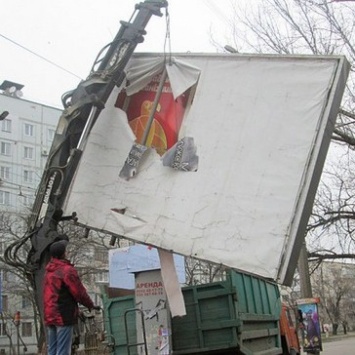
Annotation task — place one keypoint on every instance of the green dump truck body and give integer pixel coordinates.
(114, 317)
(238, 315)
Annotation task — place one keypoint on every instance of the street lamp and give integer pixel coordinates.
(4, 115)
(230, 49)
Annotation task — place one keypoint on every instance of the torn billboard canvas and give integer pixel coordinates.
(231, 161)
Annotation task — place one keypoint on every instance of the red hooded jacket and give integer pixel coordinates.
(62, 291)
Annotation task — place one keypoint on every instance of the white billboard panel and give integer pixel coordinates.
(259, 129)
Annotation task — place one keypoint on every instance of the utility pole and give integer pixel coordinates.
(303, 269)
(305, 279)
(17, 321)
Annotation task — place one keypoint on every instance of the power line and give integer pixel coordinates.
(216, 10)
(39, 56)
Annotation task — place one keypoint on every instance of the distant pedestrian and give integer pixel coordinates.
(345, 326)
(62, 291)
(326, 328)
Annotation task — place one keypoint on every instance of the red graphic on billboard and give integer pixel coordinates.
(168, 117)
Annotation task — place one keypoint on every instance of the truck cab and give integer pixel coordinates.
(288, 331)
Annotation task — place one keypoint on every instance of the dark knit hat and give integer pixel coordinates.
(57, 249)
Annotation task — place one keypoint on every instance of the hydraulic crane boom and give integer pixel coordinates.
(82, 107)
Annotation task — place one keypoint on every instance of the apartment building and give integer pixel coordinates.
(27, 129)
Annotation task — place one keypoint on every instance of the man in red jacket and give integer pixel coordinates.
(62, 291)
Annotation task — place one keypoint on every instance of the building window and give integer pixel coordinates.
(6, 125)
(4, 275)
(101, 254)
(28, 153)
(5, 303)
(26, 329)
(102, 277)
(26, 303)
(28, 176)
(2, 329)
(5, 148)
(4, 198)
(27, 201)
(51, 133)
(8, 276)
(5, 172)
(29, 130)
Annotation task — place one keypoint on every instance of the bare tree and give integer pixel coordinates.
(14, 240)
(317, 27)
(201, 272)
(334, 285)
(5, 320)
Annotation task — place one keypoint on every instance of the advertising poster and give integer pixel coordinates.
(164, 130)
(309, 325)
(152, 301)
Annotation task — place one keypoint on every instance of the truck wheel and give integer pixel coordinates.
(293, 352)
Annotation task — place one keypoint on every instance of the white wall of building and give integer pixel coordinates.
(26, 135)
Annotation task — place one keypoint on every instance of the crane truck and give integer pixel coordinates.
(82, 108)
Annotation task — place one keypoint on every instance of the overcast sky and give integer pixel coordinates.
(70, 33)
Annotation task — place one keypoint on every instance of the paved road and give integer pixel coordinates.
(344, 346)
